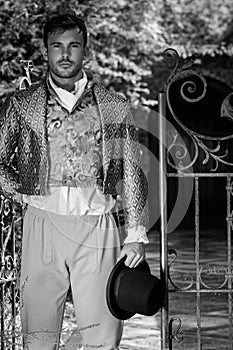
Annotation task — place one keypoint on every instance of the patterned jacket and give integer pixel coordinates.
(24, 158)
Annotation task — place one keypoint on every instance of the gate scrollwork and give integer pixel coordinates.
(193, 89)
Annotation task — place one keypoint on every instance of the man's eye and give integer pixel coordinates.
(55, 46)
(75, 45)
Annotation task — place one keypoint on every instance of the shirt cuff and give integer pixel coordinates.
(136, 234)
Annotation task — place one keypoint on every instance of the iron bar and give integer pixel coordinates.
(13, 300)
(216, 291)
(8, 279)
(229, 259)
(163, 213)
(2, 286)
(197, 262)
(176, 334)
(194, 175)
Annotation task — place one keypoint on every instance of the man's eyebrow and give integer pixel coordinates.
(60, 42)
(55, 42)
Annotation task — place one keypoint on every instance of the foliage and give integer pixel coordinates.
(126, 38)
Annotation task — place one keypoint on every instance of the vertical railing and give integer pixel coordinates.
(2, 284)
(229, 189)
(13, 286)
(8, 274)
(163, 211)
(197, 260)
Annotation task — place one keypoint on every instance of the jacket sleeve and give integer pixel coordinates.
(9, 131)
(135, 185)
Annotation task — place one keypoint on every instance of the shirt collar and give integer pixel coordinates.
(79, 85)
(65, 98)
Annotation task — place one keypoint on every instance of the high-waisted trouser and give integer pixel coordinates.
(59, 251)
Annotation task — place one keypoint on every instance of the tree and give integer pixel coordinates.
(127, 39)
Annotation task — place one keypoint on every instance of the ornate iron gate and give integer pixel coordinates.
(10, 227)
(10, 245)
(193, 159)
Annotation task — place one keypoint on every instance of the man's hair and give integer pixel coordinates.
(60, 23)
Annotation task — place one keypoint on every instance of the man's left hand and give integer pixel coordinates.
(134, 252)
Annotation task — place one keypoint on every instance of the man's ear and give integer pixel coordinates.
(86, 51)
(44, 52)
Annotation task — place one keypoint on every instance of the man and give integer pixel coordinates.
(77, 150)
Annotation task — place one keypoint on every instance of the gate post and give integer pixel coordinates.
(163, 218)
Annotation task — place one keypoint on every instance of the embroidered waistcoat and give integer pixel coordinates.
(75, 142)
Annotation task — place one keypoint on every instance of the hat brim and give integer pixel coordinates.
(116, 311)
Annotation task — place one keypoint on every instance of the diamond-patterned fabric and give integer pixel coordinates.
(121, 157)
(23, 121)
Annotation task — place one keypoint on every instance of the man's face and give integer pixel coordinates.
(65, 53)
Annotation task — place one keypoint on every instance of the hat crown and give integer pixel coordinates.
(138, 292)
(133, 290)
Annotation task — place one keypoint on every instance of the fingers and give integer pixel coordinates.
(137, 262)
(134, 252)
(133, 260)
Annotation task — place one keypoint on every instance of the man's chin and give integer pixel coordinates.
(68, 73)
(65, 74)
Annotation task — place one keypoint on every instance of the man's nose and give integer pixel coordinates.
(66, 52)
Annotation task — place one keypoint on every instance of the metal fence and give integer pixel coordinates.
(10, 231)
(203, 288)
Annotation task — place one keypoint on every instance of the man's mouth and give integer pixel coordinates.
(65, 64)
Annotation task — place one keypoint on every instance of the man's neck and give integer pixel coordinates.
(66, 83)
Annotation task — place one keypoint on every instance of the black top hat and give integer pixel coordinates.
(133, 290)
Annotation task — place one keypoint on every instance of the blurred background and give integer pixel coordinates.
(127, 39)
